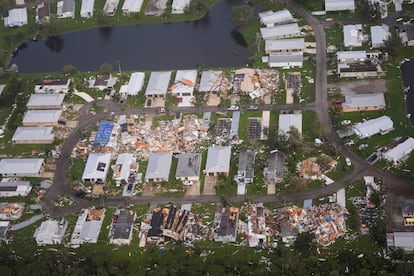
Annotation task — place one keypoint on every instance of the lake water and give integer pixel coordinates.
(407, 69)
(212, 41)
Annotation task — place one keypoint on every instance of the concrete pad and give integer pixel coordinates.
(193, 189)
(213, 99)
(271, 189)
(84, 96)
(97, 189)
(186, 101)
(241, 189)
(209, 183)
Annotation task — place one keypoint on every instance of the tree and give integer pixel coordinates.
(105, 68)
(102, 18)
(52, 26)
(304, 242)
(393, 47)
(68, 69)
(198, 6)
(242, 15)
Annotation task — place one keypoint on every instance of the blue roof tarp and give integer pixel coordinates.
(103, 135)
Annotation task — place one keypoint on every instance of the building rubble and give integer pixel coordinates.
(326, 221)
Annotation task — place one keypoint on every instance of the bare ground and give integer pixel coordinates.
(360, 86)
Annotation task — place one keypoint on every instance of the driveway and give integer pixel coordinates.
(193, 189)
(209, 183)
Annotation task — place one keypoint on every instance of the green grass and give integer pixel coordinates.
(244, 119)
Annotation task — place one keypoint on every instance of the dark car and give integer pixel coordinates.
(129, 188)
(252, 107)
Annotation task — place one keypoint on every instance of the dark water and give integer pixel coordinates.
(212, 41)
(407, 69)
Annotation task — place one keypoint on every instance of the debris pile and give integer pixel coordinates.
(11, 211)
(327, 222)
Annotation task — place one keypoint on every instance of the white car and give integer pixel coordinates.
(233, 107)
(187, 182)
(345, 122)
(348, 161)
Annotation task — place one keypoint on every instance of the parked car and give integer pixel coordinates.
(233, 107)
(187, 182)
(252, 107)
(348, 161)
(129, 188)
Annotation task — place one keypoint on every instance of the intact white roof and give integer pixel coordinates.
(47, 230)
(90, 230)
(21, 165)
(351, 55)
(210, 81)
(379, 34)
(404, 239)
(280, 31)
(136, 81)
(125, 159)
(33, 133)
(87, 6)
(351, 36)
(290, 120)
(271, 18)
(42, 116)
(218, 160)
(284, 44)
(364, 100)
(339, 5)
(400, 151)
(159, 165)
(110, 6)
(158, 83)
(181, 78)
(132, 5)
(2, 86)
(180, 4)
(45, 99)
(341, 198)
(17, 17)
(286, 57)
(97, 166)
(374, 126)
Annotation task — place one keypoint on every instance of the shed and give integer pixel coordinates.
(17, 17)
(400, 152)
(211, 81)
(159, 165)
(280, 31)
(218, 161)
(381, 125)
(369, 101)
(188, 167)
(42, 117)
(87, 8)
(158, 84)
(284, 45)
(132, 6)
(45, 101)
(30, 167)
(33, 135)
(97, 166)
(286, 121)
(270, 18)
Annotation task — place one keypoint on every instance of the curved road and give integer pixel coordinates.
(320, 106)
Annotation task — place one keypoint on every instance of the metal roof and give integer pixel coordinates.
(159, 165)
(97, 166)
(38, 100)
(135, 83)
(125, 159)
(283, 58)
(351, 36)
(351, 55)
(379, 34)
(42, 133)
(278, 17)
(339, 5)
(210, 81)
(289, 120)
(280, 31)
(218, 160)
(87, 6)
(123, 226)
(158, 83)
(400, 151)
(21, 165)
(184, 81)
(246, 163)
(374, 126)
(42, 116)
(132, 5)
(364, 100)
(404, 239)
(188, 165)
(284, 44)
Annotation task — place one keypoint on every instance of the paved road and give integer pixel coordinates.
(320, 106)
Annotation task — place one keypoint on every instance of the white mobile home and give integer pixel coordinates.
(379, 35)
(369, 101)
(17, 17)
(135, 84)
(96, 168)
(340, 5)
(45, 101)
(179, 6)
(353, 35)
(48, 85)
(50, 232)
(110, 7)
(159, 165)
(87, 8)
(280, 31)
(284, 45)
(351, 56)
(270, 18)
(42, 117)
(286, 121)
(381, 125)
(400, 152)
(218, 161)
(184, 83)
(131, 6)
(211, 81)
(66, 9)
(29, 167)
(10, 187)
(283, 60)
(158, 84)
(33, 135)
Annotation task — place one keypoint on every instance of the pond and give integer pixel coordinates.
(210, 42)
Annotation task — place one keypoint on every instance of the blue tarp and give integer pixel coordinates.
(103, 134)
(307, 204)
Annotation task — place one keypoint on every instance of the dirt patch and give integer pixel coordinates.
(360, 86)
(97, 189)
(156, 7)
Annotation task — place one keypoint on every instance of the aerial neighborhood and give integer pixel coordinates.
(303, 149)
